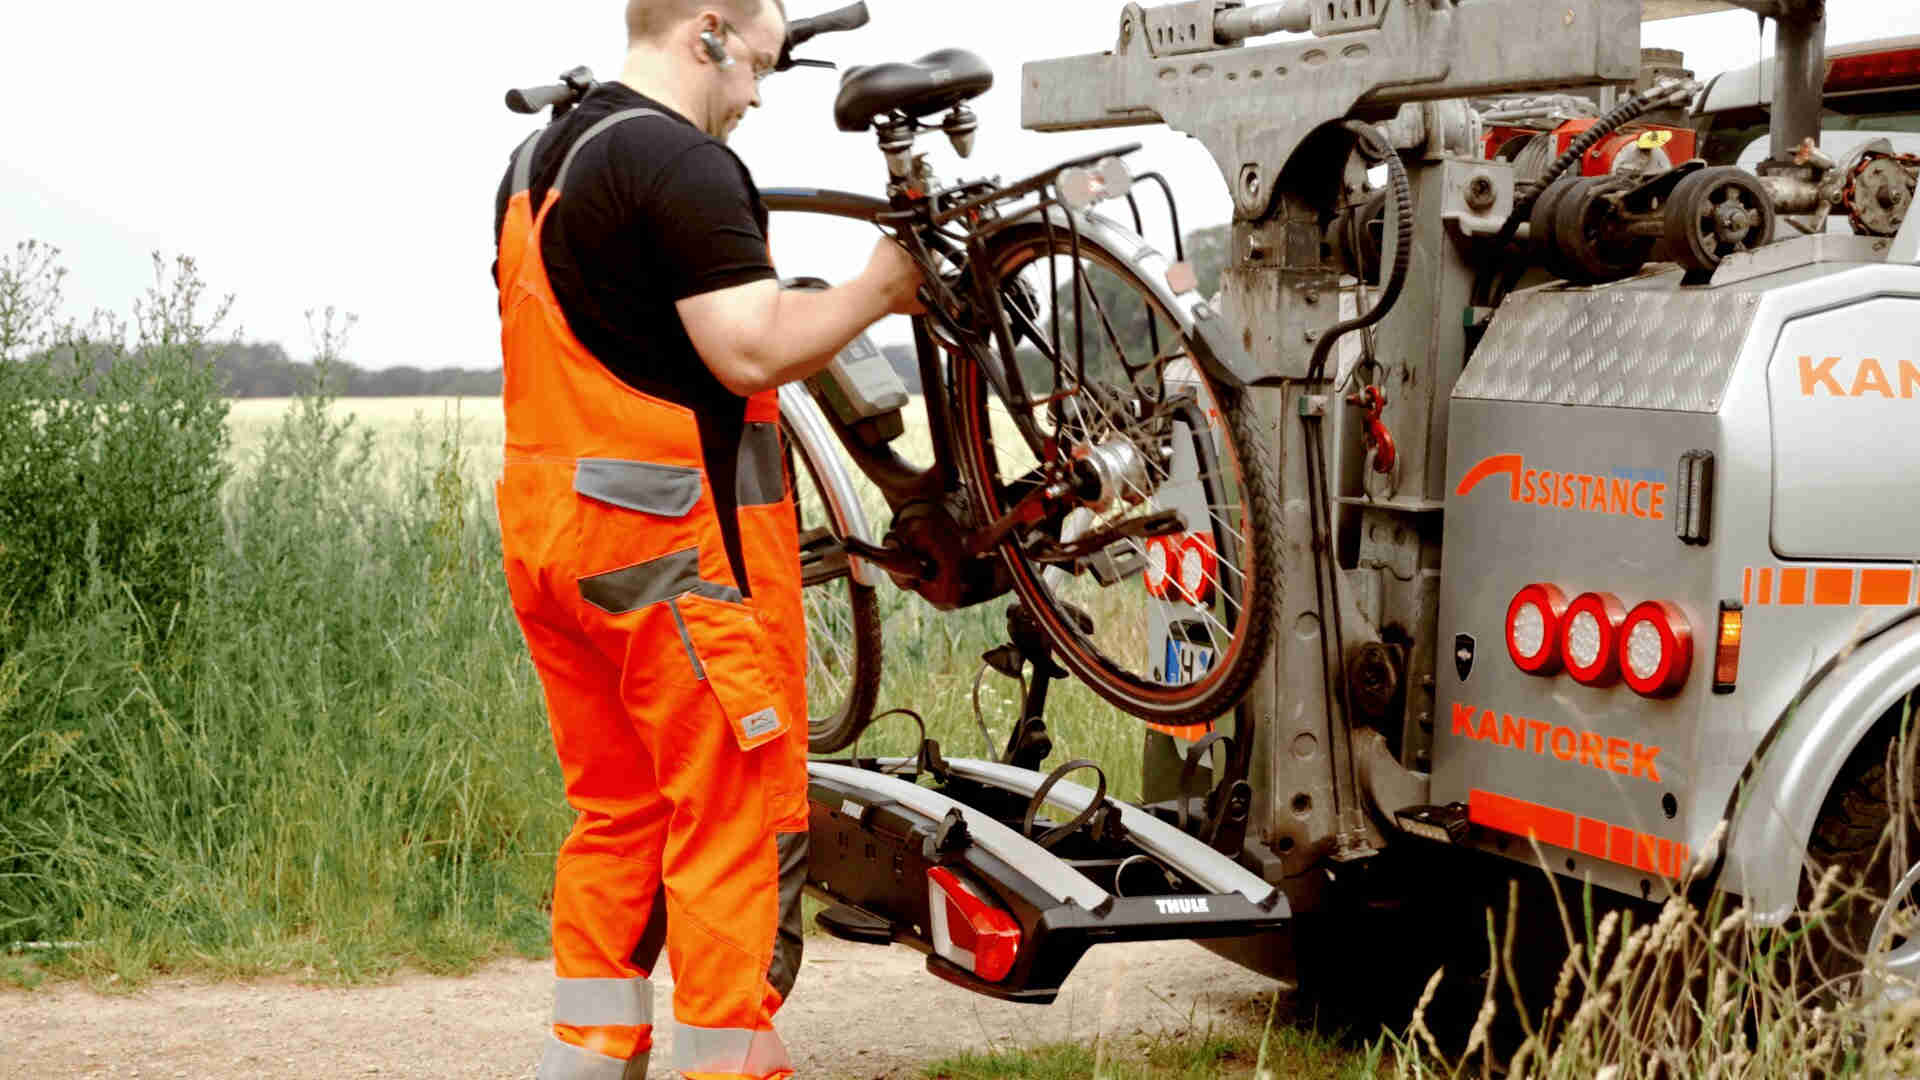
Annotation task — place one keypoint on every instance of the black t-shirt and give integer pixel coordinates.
(655, 211)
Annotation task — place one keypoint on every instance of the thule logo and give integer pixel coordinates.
(1181, 907)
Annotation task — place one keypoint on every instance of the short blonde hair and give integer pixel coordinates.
(647, 20)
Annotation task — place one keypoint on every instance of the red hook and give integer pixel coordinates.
(1379, 439)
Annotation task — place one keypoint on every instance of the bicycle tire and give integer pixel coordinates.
(1244, 452)
(834, 725)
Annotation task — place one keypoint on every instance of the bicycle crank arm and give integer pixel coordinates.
(1164, 523)
(893, 560)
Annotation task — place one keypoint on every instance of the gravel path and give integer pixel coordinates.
(858, 1012)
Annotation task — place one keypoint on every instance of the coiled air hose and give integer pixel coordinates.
(1376, 149)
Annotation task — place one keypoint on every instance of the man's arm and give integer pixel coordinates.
(758, 336)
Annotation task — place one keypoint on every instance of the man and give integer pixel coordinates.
(650, 541)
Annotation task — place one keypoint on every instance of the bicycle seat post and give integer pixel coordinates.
(896, 136)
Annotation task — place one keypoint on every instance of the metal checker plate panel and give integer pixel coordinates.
(1627, 346)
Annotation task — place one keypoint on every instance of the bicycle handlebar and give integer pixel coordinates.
(573, 86)
(535, 98)
(801, 31)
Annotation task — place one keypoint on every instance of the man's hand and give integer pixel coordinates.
(893, 274)
(755, 337)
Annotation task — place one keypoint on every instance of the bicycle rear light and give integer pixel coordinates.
(1590, 638)
(1726, 656)
(1533, 629)
(969, 929)
(1081, 188)
(1656, 646)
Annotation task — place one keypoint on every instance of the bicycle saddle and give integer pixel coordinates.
(936, 81)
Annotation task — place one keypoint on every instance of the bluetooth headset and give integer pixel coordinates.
(716, 48)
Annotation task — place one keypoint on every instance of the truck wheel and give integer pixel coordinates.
(1874, 904)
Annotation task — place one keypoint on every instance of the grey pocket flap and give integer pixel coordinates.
(664, 490)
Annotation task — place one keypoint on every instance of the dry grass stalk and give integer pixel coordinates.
(1694, 993)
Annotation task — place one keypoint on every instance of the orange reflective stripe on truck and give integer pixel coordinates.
(1828, 586)
(1575, 832)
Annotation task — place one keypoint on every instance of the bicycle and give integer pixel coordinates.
(1087, 410)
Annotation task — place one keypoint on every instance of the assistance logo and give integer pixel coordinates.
(1618, 492)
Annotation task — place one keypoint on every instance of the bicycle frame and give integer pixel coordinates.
(917, 228)
(899, 480)
(916, 225)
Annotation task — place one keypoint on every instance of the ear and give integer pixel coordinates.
(710, 42)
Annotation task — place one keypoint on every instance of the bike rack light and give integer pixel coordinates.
(1199, 569)
(1162, 566)
(969, 929)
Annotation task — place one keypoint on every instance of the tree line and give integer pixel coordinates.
(264, 370)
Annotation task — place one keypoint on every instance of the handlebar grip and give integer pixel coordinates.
(535, 98)
(851, 17)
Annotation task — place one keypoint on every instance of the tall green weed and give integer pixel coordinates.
(112, 445)
(287, 723)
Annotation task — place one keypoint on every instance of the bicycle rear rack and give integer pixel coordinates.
(1111, 873)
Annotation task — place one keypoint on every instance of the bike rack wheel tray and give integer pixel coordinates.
(876, 833)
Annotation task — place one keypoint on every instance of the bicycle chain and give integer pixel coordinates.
(1909, 162)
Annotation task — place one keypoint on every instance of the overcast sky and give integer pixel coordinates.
(346, 153)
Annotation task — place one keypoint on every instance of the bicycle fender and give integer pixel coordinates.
(816, 440)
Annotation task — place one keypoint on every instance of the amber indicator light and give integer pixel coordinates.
(1726, 654)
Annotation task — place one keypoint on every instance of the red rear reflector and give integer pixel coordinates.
(1590, 638)
(1656, 649)
(1726, 656)
(969, 929)
(1533, 629)
(1874, 71)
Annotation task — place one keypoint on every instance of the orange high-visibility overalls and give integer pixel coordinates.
(678, 706)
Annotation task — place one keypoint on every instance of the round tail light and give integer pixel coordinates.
(1656, 646)
(1590, 638)
(1199, 569)
(1160, 567)
(1533, 629)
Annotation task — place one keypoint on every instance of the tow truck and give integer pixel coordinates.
(1606, 546)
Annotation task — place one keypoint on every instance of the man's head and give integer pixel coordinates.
(723, 46)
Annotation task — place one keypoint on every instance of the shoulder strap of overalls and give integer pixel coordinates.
(529, 150)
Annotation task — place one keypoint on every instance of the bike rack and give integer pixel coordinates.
(1112, 872)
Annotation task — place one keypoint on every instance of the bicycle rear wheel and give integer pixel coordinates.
(843, 618)
(1167, 469)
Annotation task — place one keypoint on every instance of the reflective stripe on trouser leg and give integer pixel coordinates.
(603, 1002)
(729, 1052)
(792, 849)
(565, 1061)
